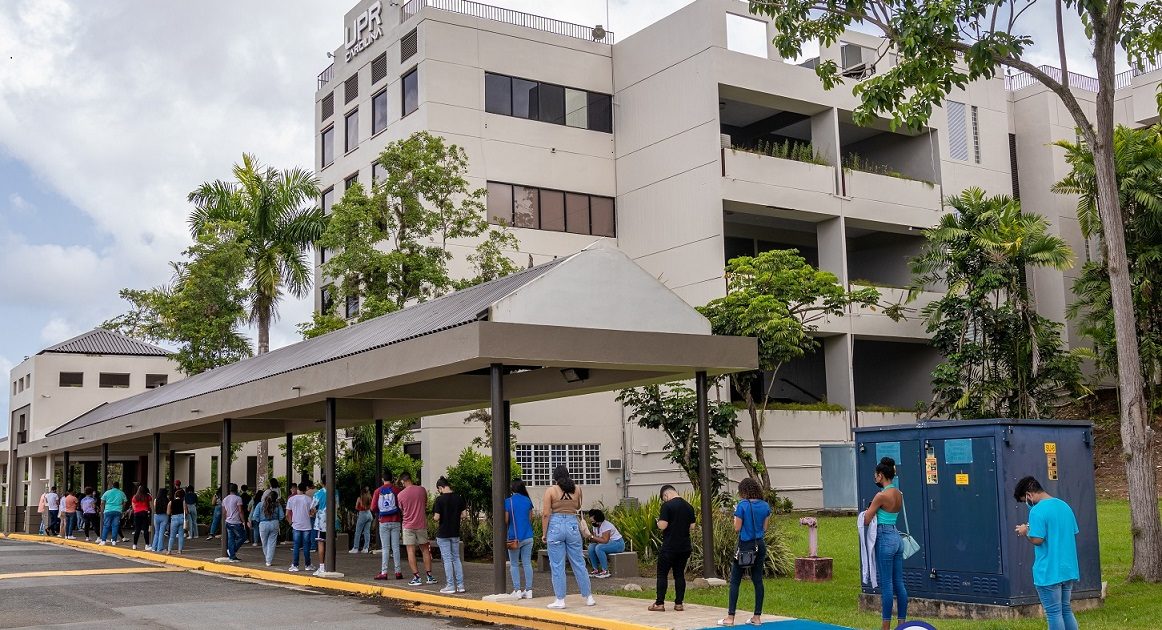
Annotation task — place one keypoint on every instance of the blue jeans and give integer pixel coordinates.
(216, 521)
(235, 536)
(177, 530)
(268, 531)
(314, 536)
(70, 522)
(389, 534)
(112, 526)
(756, 578)
(453, 570)
(362, 531)
(1058, 607)
(253, 532)
(302, 538)
(890, 572)
(192, 509)
(598, 553)
(159, 523)
(564, 538)
(522, 558)
(54, 522)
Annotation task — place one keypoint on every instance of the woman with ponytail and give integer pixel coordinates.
(885, 507)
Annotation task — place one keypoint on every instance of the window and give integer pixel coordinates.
(328, 200)
(547, 102)
(28, 381)
(352, 306)
(555, 210)
(351, 124)
(379, 112)
(1013, 166)
(379, 69)
(326, 300)
(72, 379)
(524, 99)
(409, 45)
(377, 171)
(576, 108)
(153, 381)
(351, 88)
(497, 94)
(327, 107)
(600, 112)
(20, 384)
(975, 136)
(746, 35)
(537, 462)
(552, 103)
(411, 92)
(351, 180)
(328, 149)
(957, 142)
(322, 254)
(113, 380)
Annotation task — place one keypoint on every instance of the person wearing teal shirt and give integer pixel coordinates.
(112, 505)
(1052, 528)
(885, 508)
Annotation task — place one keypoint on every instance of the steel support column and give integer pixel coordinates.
(155, 478)
(290, 467)
(104, 485)
(378, 478)
(704, 474)
(65, 485)
(329, 471)
(499, 482)
(224, 481)
(172, 463)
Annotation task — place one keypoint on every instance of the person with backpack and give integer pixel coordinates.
(362, 523)
(384, 502)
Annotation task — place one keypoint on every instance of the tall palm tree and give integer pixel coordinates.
(279, 223)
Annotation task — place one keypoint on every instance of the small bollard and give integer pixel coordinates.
(812, 568)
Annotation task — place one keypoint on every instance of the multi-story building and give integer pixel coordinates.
(60, 383)
(687, 144)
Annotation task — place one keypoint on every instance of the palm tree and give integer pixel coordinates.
(278, 224)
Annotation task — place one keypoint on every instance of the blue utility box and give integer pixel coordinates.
(958, 478)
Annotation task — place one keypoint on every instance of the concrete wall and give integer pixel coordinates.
(893, 374)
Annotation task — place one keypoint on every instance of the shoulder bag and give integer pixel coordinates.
(908, 545)
(512, 543)
(748, 550)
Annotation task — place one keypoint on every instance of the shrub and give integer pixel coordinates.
(471, 477)
(638, 524)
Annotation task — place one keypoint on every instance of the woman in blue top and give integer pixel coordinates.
(885, 507)
(518, 516)
(751, 517)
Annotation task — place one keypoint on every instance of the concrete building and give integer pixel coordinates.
(60, 383)
(673, 145)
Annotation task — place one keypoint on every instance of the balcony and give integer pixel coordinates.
(755, 167)
(508, 16)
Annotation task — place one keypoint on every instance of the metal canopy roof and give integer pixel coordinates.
(102, 341)
(596, 309)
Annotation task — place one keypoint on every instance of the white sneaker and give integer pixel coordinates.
(135, 547)
(294, 568)
(518, 594)
(352, 550)
(101, 542)
(310, 568)
(448, 590)
(461, 589)
(558, 603)
(589, 601)
(113, 542)
(268, 564)
(528, 594)
(322, 569)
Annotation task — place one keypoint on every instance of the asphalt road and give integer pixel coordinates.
(47, 586)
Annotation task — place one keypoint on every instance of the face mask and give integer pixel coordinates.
(1029, 503)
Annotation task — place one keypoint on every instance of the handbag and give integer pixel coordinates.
(583, 526)
(908, 545)
(748, 550)
(512, 543)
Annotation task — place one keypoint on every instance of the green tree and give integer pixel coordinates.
(308, 451)
(483, 417)
(673, 409)
(471, 476)
(1138, 160)
(778, 298)
(278, 223)
(940, 46)
(1001, 358)
(200, 310)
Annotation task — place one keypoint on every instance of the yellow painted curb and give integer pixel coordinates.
(491, 612)
(81, 572)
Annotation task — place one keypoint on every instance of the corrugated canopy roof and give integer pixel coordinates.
(101, 341)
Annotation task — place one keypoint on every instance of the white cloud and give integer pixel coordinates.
(59, 329)
(19, 204)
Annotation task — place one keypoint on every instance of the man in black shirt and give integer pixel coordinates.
(449, 510)
(676, 520)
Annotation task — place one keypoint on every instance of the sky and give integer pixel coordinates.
(111, 111)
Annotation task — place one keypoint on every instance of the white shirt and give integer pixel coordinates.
(54, 500)
(300, 508)
(606, 526)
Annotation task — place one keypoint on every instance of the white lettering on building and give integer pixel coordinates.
(365, 29)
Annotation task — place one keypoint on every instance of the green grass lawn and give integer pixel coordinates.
(1129, 605)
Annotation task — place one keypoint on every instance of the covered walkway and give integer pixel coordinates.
(590, 322)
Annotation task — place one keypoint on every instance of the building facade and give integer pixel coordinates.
(687, 144)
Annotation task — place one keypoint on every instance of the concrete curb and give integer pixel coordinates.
(420, 601)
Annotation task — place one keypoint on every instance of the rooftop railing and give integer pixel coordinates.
(509, 16)
(1022, 80)
(326, 75)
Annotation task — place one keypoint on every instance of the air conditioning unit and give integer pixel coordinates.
(857, 61)
(613, 464)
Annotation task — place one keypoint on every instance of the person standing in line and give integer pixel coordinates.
(314, 532)
(751, 517)
(274, 488)
(448, 510)
(191, 499)
(42, 509)
(518, 516)
(322, 526)
(53, 503)
(247, 531)
(69, 505)
(362, 522)
(216, 517)
(177, 510)
(160, 519)
(141, 503)
(267, 513)
(112, 506)
(606, 539)
(885, 508)
(385, 501)
(676, 520)
(413, 500)
(1052, 529)
(252, 509)
(89, 513)
(298, 514)
(235, 518)
(561, 521)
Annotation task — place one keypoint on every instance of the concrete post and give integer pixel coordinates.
(704, 475)
(172, 463)
(825, 141)
(155, 478)
(499, 482)
(65, 464)
(290, 469)
(378, 479)
(224, 480)
(103, 485)
(329, 470)
(837, 356)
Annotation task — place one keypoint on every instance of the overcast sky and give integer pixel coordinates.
(112, 111)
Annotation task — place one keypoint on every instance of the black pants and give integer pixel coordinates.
(91, 524)
(141, 526)
(672, 561)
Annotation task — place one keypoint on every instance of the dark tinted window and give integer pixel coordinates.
(328, 149)
(377, 171)
(328, 199)
(577, 213)
(600, 112)
(72, 379)
(601, 216)
(379, 112)
(350, 181)
(326, 300)
(499, 203)
(411, 92)
(524, 99)
(553, 210)
(552, 103)
(352, 123)
(115, 380)
(352, 306)
(497, 94)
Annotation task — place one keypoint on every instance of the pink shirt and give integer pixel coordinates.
(413, 500)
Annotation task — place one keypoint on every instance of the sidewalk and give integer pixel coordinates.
(611, 612)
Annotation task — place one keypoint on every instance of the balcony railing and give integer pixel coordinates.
(326, 75)
(1022, 80)
(508, 16)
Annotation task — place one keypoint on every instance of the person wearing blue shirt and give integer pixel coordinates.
(1052, 529)
(518, 516)
(751, 517)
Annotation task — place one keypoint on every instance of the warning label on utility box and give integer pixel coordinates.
(961, 479)
(1051, 466)
(1051, 448)
(930, 470)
